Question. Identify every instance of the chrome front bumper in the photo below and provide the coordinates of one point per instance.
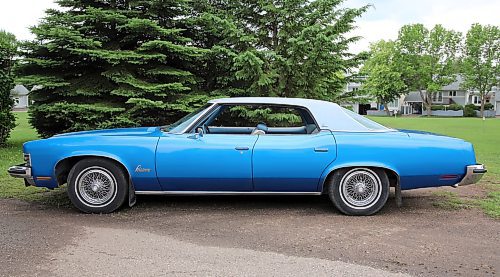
(22, 171)
(473, 174)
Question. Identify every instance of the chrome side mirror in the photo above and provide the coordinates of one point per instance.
(199, 133)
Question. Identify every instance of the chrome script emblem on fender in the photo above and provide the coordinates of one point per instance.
(140, 169)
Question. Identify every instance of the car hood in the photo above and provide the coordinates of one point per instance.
(142, 131)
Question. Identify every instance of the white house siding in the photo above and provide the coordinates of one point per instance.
(21, 97)
(21, 102)
(460, 98)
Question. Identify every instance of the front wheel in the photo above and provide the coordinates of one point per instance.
(97, 186)
(359, 191)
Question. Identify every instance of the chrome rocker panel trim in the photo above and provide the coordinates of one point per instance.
(473, 174)
(224, 193)
(22, 171)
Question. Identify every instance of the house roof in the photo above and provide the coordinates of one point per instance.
(328, 115)
(413, 96)
(19, 90)
(456, 85)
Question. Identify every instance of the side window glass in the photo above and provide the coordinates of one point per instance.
(244, 119)
(251, 115)
(234, 116)
(282, 117)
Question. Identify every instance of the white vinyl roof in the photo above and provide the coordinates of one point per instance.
(327, 114)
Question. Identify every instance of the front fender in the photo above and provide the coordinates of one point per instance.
(130, 151)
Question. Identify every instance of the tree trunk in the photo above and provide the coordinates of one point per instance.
(428, 107)
(482, 104)
(386, 108)
(426, 101)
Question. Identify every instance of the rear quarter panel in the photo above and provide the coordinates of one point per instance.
(421, 160)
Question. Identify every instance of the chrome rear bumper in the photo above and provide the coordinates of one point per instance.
(22, 171)
(473, 174)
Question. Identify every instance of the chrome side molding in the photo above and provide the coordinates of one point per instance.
(224, 193)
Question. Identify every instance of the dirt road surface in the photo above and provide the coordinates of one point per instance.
(251, 236)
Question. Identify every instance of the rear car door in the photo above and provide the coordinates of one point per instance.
(292, 163)
(286, 159)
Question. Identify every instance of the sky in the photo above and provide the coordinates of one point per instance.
(382, 21)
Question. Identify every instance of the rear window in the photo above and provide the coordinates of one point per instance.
(365, 122)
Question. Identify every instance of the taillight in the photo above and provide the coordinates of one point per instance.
(27, 159)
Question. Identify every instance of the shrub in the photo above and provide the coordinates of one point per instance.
(455, 107)
(470, 110)
(488, 106)
(437, 107)
(7, 53)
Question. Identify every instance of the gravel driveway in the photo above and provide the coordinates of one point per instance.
(251, 236)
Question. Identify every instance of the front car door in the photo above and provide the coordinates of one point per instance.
(211, 161)
(186, 162)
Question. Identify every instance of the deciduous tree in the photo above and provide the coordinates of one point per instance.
(428, 59)
(383, 71)
(481, 63)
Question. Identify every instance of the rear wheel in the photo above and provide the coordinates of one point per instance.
(97, 186)
(359, 191)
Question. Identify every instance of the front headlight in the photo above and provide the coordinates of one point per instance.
(27, 159)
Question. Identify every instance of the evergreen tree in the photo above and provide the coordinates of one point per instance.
(113, 63)
(280, 48)
(8, 48)
(109, 63)
(296, 48)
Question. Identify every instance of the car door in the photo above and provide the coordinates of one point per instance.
(292, 162)
(213, 162)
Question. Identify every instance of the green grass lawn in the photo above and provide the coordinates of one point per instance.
(12, 154)
(485, 135)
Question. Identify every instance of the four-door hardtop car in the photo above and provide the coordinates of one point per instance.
(252, 146)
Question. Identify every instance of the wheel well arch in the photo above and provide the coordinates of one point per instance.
(391, 174)
(64, 166)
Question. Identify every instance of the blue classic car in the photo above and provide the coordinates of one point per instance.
(252, 146)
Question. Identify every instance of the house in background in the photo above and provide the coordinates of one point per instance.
(497, 102)
(20, 94)
(412, 103)
(362, 103)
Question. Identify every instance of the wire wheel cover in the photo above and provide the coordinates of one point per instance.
(360, 188)
(96, 186)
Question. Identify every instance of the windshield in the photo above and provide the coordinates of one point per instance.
(367, 123)
(182, 123)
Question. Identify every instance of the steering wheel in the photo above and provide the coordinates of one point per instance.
(260, 129)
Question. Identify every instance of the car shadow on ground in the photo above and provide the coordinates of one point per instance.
(413, 201)
(270, 203)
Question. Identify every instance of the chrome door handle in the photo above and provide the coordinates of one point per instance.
(241, 148)
(318, 149)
